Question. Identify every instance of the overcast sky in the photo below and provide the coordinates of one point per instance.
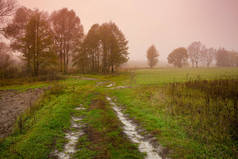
(165, 23)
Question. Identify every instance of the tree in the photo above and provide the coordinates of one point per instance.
(40, 38)
(226, 58)
(194, 53)
(207, 55)
(16, 33)
(30, 34)
(104, 49)
(5, 60)
(178, 57)
(68, 31)
(7, 8)
(152, 56)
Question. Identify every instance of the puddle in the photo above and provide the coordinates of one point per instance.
(88, 79)
(110, 85)
(130, 129)
(72, 137)
(119, 87)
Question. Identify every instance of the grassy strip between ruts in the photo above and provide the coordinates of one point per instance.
(45, 128)
(103, 136)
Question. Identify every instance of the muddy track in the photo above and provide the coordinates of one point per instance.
(12, 104)
(152, 151)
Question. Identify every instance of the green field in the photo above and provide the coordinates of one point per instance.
(191, 112)
(170, 75)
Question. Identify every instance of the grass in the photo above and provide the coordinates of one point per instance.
(44, 129)
(169, 75)
(172, 121)
(25, 86)
(180, 112)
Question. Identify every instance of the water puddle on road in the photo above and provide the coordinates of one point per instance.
(72, 137)
(130, 130)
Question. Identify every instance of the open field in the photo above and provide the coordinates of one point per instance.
(190, 113)
(170, 75)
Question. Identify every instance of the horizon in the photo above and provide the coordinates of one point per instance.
(176, 25)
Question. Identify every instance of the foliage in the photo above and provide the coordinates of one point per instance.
(178, 57)
(68, 31)
(210, 109)
(104, 49)
(225, 58)
(31, 34)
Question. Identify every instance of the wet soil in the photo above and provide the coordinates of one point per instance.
(72, 137)
(12, 104)
(153, 151)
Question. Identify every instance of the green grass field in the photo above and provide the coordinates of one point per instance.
(180, 116)
(170, 75)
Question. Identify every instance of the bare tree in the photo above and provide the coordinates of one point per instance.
(194, 53)
(7, 8)
(152, 56)
(208, 55)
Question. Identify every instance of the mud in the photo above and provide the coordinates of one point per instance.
(120, 87)
(131, 130)
(72, 137)
(83, 78)
(12, 104)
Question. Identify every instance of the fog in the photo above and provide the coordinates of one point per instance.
(167, 24)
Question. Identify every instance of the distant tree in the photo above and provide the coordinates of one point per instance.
(226, 58)
(194, 53)
(68, 31)
(208, 55)
(7, 8)
(178, 57)
(152, 56)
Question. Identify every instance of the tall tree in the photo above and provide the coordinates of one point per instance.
(119, 49)
(194, 53)
(16, 33)
(5, 60)
(152, 56)
(40, 38)
(30, 34)
(178, 57)
(104, 49)
(68, 31)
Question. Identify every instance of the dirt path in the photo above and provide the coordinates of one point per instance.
(130, 129)
(72, 137)
(12, 104)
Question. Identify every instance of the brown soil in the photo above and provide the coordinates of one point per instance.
(12, 104)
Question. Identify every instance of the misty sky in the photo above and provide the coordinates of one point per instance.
(165, 23)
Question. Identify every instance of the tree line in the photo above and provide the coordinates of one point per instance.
(52, 43)
(196, 55)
